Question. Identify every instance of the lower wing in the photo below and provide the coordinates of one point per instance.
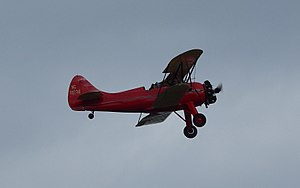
(153, 118)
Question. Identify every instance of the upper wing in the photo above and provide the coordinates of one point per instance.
(180, 66)
(153, 118)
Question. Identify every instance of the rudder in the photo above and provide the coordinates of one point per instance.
(81, 90)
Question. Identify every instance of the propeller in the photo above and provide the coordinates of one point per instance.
(211, 93)
(219, 88)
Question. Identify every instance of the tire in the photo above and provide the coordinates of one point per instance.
(199, 120)
(190, 132)
(91, 116)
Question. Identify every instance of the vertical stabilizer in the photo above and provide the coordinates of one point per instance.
(81, 91)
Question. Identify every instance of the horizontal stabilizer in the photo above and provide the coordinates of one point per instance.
(153, 118)
(90, 96)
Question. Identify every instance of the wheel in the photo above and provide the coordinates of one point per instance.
(190, 132)
(91, 115)
(199, 120)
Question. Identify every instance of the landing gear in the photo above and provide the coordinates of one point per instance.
(91, 115)
(190, 131)
(199, 120)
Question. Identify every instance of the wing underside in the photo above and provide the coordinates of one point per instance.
(181, 67)
(153, 118)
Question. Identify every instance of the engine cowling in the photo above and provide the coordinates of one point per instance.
(210, 93)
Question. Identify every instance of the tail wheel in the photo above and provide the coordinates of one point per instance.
(190, 132)
(199, 120)
(91, 115)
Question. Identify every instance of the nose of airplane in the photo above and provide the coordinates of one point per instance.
(210, 93)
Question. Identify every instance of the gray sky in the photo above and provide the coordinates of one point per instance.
(252, 134)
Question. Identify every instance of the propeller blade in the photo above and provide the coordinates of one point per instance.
(219, 88)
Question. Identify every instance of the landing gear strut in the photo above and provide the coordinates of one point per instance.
(91, 115)
(199, 120)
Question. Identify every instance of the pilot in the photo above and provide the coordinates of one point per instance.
(155, 85)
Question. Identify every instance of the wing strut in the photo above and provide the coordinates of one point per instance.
(179, 116)
(140, 117)
(188, 77)
(161, 85)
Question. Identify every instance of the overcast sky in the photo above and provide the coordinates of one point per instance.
(251, 138)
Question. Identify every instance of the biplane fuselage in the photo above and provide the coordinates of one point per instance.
(174, 93)
(134, 100)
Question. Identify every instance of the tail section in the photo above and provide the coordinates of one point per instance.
(81, 92)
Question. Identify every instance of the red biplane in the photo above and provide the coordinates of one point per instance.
(175, 92)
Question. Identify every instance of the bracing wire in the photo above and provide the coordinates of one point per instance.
(194, 77)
